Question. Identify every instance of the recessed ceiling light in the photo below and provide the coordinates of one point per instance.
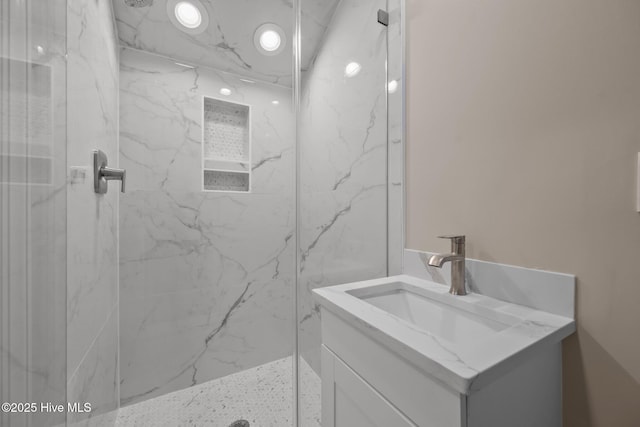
(225, 91)
(392, 87)
(352, 69)
(269, 39)
(189, 16)
(275, 102)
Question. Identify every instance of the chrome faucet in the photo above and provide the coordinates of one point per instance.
(456, 257)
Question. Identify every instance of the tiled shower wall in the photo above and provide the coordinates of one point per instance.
(92, 248)
(351, 165)
(206, 278)
(343, 170)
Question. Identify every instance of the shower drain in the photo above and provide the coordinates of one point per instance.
(240, 423)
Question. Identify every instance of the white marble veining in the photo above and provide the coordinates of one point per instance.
(351, 162)
(92, 219)
(227, 43)
(262, 395)
(539, 289)
(96, 379)
(343, 162)
(465, 364)
(205, 278)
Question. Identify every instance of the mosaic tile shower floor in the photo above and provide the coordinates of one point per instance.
(261, 395)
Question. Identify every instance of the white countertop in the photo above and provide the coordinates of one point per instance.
(464, 366)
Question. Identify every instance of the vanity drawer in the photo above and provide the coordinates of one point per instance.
(349, 401)
(421, 399)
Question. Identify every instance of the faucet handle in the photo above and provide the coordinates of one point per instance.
(102, 173)
(454, 237)
(457, 242)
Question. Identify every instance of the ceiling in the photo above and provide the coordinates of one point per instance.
(227, 43)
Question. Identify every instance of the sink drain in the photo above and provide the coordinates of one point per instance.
(240, 423)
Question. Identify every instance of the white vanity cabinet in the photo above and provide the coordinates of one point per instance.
(367, 384)
(349, 400)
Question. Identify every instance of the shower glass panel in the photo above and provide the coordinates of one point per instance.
(32, 210)
(350, 161)
(184, 299)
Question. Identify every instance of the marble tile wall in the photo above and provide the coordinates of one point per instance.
(351, 146)
(228, 42)
(343, 163)
(32, 209)
(206, 279)
(92, 250)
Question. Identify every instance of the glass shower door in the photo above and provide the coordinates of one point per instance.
(32, 211)
(343, 155)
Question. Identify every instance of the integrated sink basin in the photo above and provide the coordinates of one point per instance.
(433, 312)
(465, 342)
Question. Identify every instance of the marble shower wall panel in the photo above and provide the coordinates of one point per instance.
(92, 286)
(343, 170)
(96, 379)
(206, 278)
(227, 43)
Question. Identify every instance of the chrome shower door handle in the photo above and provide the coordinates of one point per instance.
(102, 173)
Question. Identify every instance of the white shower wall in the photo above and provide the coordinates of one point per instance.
(92, 219)
(206, 279)
(343, 163)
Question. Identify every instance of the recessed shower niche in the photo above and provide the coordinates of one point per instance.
(226, 146)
